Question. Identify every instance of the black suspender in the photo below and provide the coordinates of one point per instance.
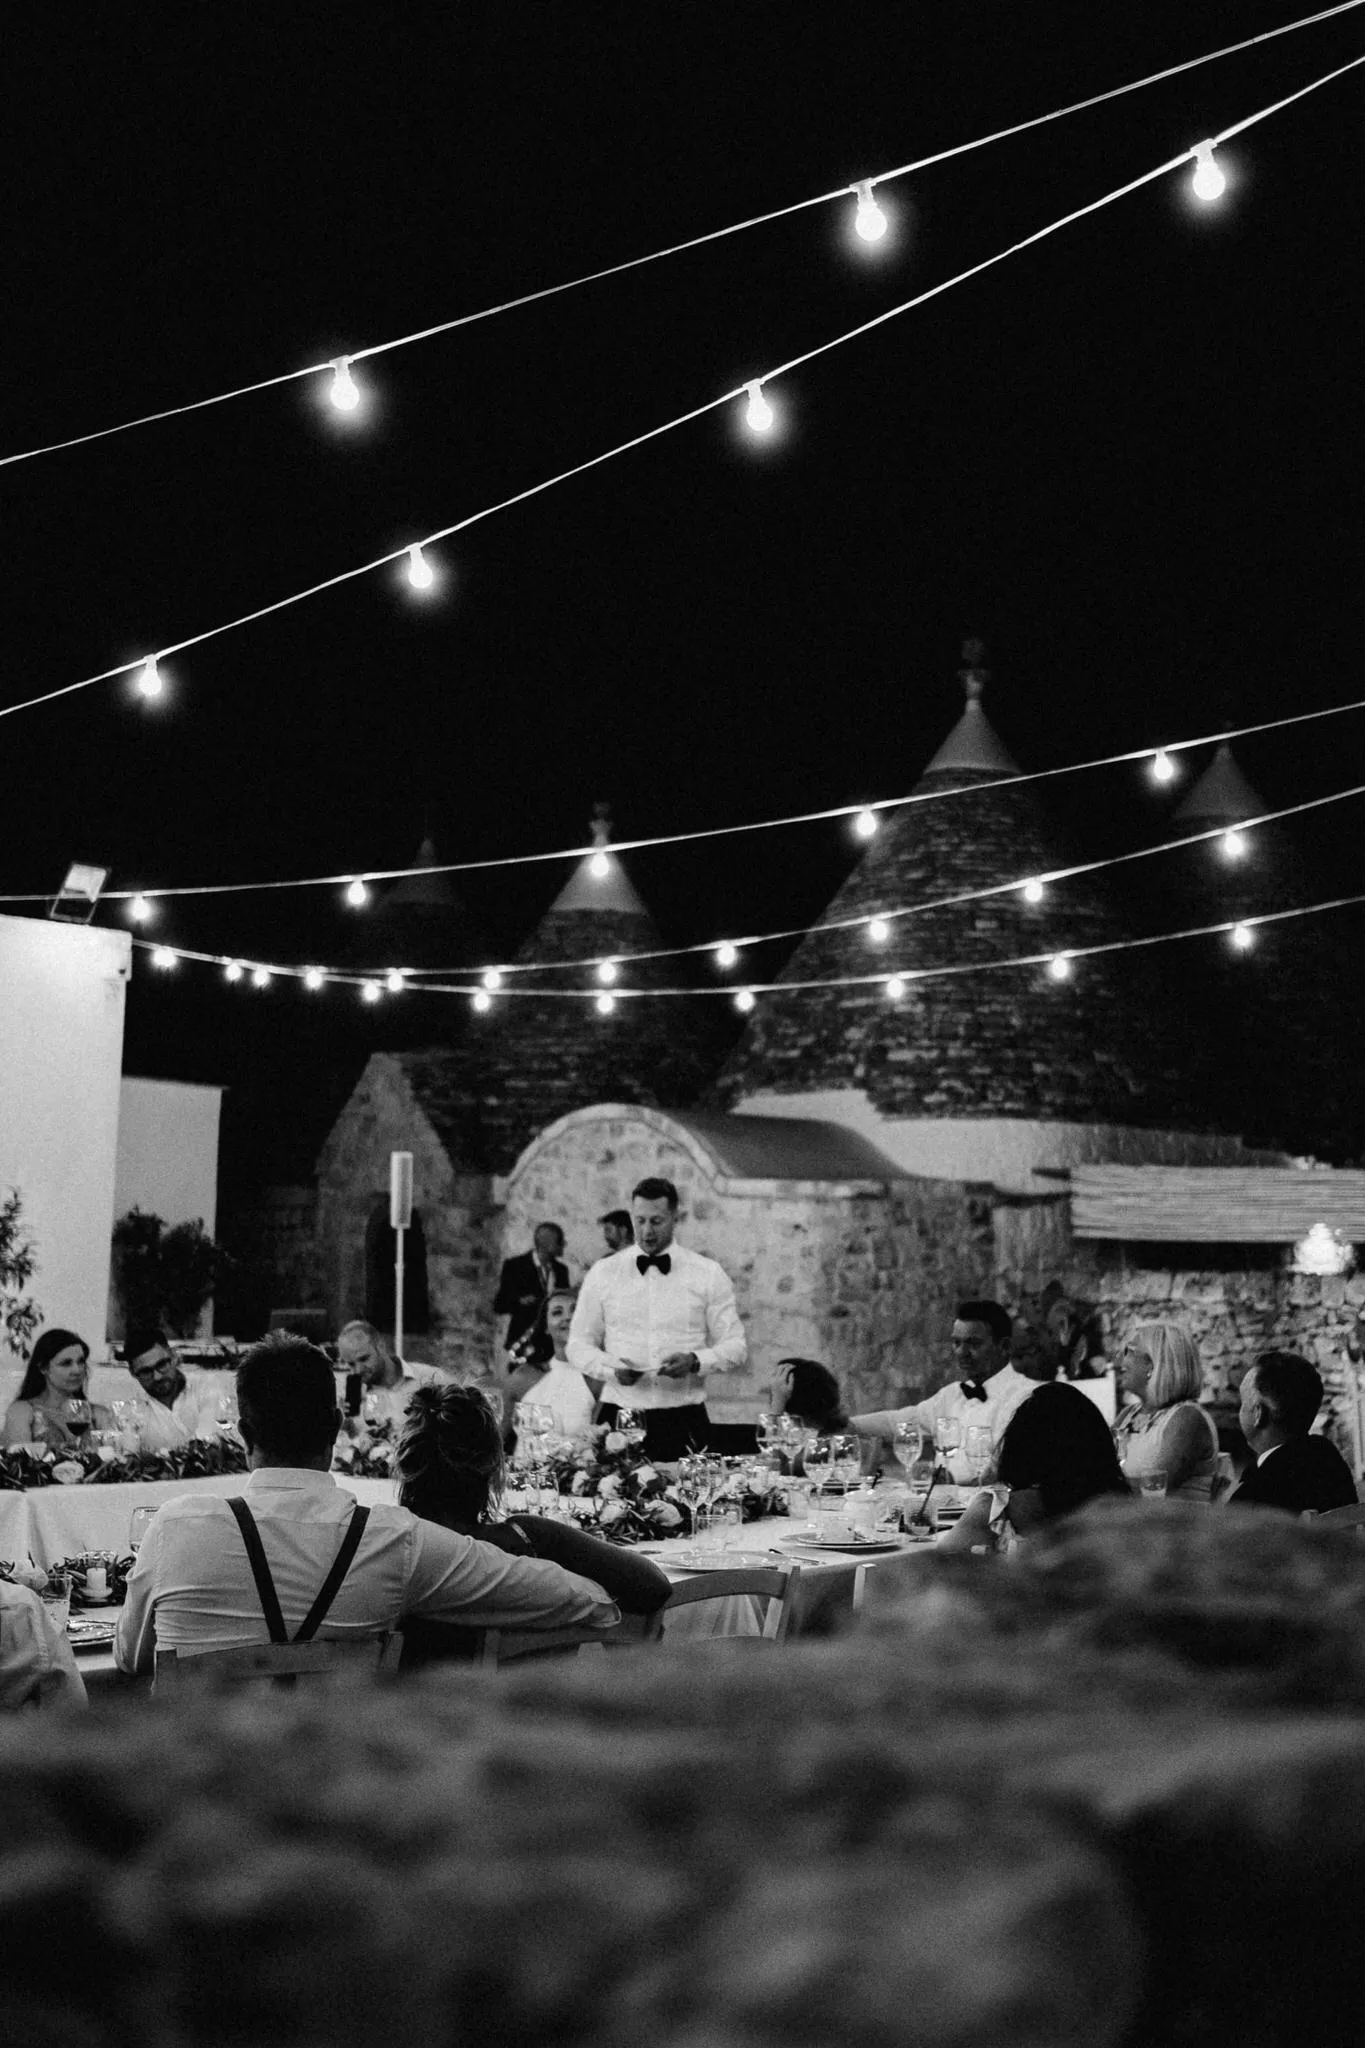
(265, 1585)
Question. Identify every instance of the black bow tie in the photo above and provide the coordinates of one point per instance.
(973, 1389)
(659, 1259)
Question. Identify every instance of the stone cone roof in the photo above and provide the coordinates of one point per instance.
(1222, 795)
(420, 920)
(1101, 1047)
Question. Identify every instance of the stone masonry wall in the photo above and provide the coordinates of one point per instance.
(274, 1249)
(864, 1281)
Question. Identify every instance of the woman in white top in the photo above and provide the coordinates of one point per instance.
(568, 1396)
(1162, 1428)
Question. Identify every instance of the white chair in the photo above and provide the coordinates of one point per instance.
(279, 1664)
(502, 1646)
(773, 1583)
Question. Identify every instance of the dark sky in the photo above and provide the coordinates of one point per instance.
(1128, 458)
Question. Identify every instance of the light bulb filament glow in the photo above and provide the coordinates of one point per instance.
(357, 893)
(1059, 967)
(865, 824)
(1208, 182)
(150, 683)
(599, 867)
(1163, 767)
(421, 575)
(879, 931)
(1033, 890)
(726, 954)
(745, 999)
(1234, 844)
(1243, 938)
(606, 1003)
(344, 392)
(758, 415)
(869, 220)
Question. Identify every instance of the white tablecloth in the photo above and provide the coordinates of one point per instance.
(54, 1522)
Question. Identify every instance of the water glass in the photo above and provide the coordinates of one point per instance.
(139, 1522)
(1152, 1484)
(978, 1448)
(907, 1444)
(947, 1437)
(56, 1598)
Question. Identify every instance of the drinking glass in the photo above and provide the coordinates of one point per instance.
(765, 1432)
(979, 1441)
(138, 1524)
(1152, 1485)
(225, 1414)
(76, 1416)
(372, 1410)
(907, 1444)
(948, 1435)
(846, 1459)
(126, 1425)
(56, 1598)
(693, 1486)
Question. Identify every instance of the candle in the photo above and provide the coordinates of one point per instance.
(97, 1582)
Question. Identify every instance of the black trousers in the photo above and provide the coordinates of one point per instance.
(670, 1433)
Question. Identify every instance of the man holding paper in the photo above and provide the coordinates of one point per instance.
(652, 1321)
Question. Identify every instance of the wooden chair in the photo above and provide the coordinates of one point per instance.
(279, 1664)
(773, 1583)
(1337, 1518)
(502, 1646)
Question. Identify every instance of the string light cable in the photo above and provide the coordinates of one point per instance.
(365, 982)
(743, 391)
(357, 883)
(861, 190)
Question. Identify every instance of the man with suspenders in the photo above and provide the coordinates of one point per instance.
(296, 1554)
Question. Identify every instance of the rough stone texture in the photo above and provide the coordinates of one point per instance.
(861, 1275)
(452, 1193)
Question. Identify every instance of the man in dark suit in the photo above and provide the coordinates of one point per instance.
(1281, 1394)
(525, 1285)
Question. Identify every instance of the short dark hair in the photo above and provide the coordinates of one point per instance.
(144, 1337)
(995, 1318)
(655, 1189)
(1291, 1389)
(1058, 1441)
(622, 1218)
(287, 1398)
(813, 1393)
(547, 1225)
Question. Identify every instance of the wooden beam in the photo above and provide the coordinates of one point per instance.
(1215, 1204)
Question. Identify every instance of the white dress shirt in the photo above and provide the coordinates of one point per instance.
(626, 1317)
(192, 1588)
(1005, 1391)
(37, 1668)
(392, 1402)
(568, 1397)
(192, 1413)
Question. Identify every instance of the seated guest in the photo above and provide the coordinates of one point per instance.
(58, 1373)
(37, 1668)
(810, 1394)
(570, 1398)
(451, 1471)
(1056, 1454)
(170, 1411)
(1162, 1428)
(1002, 1360)
(387, 1382)
(195, 1586)
(1281, 1395)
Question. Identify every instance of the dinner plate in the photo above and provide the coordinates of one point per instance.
(869, 1548)
(729, 1561)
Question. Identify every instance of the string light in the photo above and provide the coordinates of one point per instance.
(313, 979)
(482, 1000)
(1033, 891)
(421, 575)
(1163, 767)
(607, 971)
(491, 980)
(605, 1004)
(357, 894)
(879, 931)
(261, 978)
(1234, 844)
(745, 999)
(599, 867)
(865, 824)
(1059, 967)
(895, 988)
(869, 220)
(727, 956)
(163, 958)
(758, 414)
(1243, 938)
(1208, 182)
(344, 392)
(394, 982)
(233, 971)
(150, 683)
(142, 909)
(370, 991)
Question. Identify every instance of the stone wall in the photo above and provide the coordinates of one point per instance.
(458, 1219)
(273, 1245)
(861, 1276)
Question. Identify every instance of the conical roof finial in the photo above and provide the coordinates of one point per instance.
(975, 675)
(601, 824)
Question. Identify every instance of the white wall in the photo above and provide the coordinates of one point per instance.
(167, 1162)
(61, 1049)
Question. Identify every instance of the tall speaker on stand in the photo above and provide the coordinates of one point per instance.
(400, 1218)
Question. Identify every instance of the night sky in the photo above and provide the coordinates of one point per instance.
(1125, 458)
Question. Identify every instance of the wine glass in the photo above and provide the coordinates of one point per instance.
(846, 1460)
(978, 1447)
(372, 1409)
(907, 1444)
(692, 1486)
(225, 1414)
(947, 1438)
(764, 1431)
(76, 1416)
(1152, 1484)
(139, 1522)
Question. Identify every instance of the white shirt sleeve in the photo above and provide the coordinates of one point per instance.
(726, 1348)
(135, 1636)
(456, 1578)
(588, 1330)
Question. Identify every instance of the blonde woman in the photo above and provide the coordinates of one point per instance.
(1162, 1428)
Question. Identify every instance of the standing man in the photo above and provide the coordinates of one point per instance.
(363, 1350)
(994, 1382)
(1280, 1397)
(652, 1321)
(617, 1229)
(526, 1284)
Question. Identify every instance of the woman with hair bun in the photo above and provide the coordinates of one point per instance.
(450, 1470)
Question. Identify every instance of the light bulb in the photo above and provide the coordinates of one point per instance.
(745, 999)
(344, 392)
(482, 1000)
(370, 991)
(607, 971)
(421, 575)
(1243, 938)
(869, 220)
(726, 955)
(313, 978)
(357, 893)
(164, 958)
(599, 866)
(394, 982)
(1234, 844)
(261, 978)
(1033, 890)
(605, 1004)
(1163, 767)
(865, 824)
(142, 909)
(758, 415)
(491, 980)
(1059, 967)
(895, 988)
(1208, 181)
(233, 971)
(150, 683)
(879, 931)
